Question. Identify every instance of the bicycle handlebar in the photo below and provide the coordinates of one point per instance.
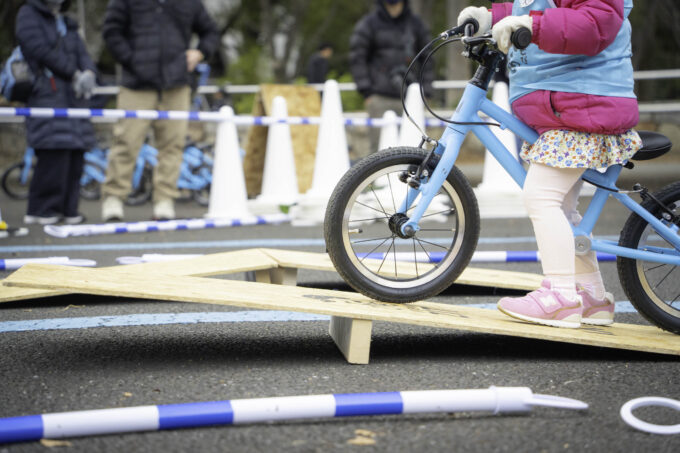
(521, 38)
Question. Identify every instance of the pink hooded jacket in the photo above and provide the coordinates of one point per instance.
(576, 27)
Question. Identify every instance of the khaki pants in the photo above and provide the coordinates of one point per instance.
(129, 136)
(376, 106)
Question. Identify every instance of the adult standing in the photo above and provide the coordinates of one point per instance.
(382, 45)
(151, 40)
(317, 67)
(64, 78)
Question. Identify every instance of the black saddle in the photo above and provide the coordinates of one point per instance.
(653, 145)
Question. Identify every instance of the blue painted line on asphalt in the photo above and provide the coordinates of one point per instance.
(158, 319)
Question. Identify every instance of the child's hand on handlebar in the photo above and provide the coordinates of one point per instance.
(502, 31)
(480, 14)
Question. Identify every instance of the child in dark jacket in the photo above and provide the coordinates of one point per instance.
(64, 78)
(574, 85)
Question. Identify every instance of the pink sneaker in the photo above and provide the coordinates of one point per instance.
(595, 312)
(544, 306)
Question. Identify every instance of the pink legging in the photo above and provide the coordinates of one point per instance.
(551, 198)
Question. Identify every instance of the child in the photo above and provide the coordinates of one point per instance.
(64, 77)
(574, 86)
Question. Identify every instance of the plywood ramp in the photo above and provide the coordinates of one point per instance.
(274, 266)
(350, 312)
(199, 266)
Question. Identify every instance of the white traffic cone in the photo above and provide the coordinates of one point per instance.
(279, 179)
(331, 161)
(409, 135)
(498, 194)
(228, 198)
(389, 133)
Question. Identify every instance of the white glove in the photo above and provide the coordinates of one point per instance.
(502, 31)
(480, 14)
(83, 83)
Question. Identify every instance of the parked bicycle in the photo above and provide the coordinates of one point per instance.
(408, 199)
(194, 180)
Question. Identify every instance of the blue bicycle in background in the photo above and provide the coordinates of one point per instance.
(406, 200)
(193, 183)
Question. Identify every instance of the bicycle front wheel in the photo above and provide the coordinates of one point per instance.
(653, 288)
(363, 240)
(15, 183)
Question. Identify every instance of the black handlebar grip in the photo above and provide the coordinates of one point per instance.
(521, 38)
(474, 23)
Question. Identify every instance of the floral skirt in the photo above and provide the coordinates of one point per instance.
(570, 149)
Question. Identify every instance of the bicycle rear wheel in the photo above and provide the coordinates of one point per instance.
(653, 288)
(13, 184)
(363, 242)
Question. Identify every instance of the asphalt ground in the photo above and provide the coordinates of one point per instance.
(74, 368)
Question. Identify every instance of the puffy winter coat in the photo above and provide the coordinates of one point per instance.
(54, 59)
(149, 39)
(382, 47)
(575, 27)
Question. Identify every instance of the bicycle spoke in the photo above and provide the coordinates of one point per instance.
(389, 181)
(369, 253)
(373, 239)
(440, 212)
(378, 200)
(395, 259)
(385, 257)
(415, 257)
(371, 207)
(655, 267)
(367, 220)
(665, 277)
(437, 229)
(429, 258)
(432, 243)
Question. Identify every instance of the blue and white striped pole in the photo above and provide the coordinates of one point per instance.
(64, 231)
(477, 257)
(240, 120)
(233, 412)
(15, 263)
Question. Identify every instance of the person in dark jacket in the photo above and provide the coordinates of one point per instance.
(64, 78)
(151, 41)
(317, 66)
(382, 45)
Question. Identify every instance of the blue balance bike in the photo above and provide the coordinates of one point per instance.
(405, 202)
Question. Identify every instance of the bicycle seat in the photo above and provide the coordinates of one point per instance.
(653, 145)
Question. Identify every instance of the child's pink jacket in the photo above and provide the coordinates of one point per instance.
(592, 26)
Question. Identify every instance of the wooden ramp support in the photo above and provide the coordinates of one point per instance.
(351, 314)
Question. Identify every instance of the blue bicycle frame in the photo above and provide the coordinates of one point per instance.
(473, 101)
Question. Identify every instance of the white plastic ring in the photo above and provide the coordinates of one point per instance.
(628, 417)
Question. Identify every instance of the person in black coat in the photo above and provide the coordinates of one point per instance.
(64, 78)
(382, 45)
(151, 41)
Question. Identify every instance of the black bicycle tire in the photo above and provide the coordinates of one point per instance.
(5, 182)
(333, 228)
(629, 276)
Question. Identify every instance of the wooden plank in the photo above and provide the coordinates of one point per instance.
(333, 303)
(200, 266)
(353, 338)
(494, 278)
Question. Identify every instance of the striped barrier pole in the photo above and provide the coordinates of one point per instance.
(518, 256)
(64, 231)
(16, 263)
(255, 410)
(240, 120)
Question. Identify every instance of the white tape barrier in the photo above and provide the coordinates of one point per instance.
(63, 231)
(16, 263)
(239, 120)
(628, 417)
(496, 400)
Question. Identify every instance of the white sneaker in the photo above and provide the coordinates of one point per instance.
(112, 209)
(164, 209)
(41, 220)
